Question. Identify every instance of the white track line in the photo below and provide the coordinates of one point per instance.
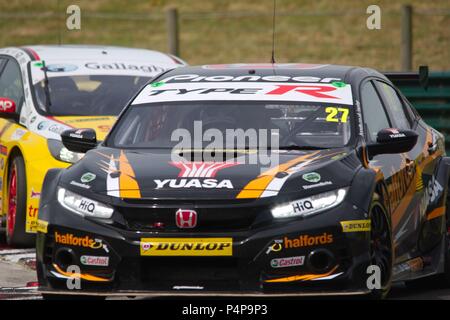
(18, 257)
(16, 251)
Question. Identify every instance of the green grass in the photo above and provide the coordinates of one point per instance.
(329, 37)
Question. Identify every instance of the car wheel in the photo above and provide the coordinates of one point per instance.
(16, 205)
(381, 248)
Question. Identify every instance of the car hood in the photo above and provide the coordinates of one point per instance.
(153, 174)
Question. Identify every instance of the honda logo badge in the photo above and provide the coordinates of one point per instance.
(186, 218)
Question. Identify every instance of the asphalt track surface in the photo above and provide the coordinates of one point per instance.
(18, 279)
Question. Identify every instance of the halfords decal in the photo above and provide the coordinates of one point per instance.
(308, 241)
(72, 240)
(258, 91)
(287, 262)
(355, 226)
(186, 247)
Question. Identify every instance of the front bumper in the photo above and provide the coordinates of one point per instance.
(311, 256)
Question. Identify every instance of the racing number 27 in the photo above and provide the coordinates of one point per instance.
(332, 114)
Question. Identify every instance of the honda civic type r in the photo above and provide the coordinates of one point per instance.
(45, 90)
(250, 179)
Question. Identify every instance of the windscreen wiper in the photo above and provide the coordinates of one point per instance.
(48, 102)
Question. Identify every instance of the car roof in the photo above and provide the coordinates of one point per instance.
(345, 73)
(51, 53)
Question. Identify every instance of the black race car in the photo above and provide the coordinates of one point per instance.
(283, 179)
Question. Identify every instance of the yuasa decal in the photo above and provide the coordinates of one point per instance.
(257, 91)
(186, 247)
(192, 170)
(193, 183)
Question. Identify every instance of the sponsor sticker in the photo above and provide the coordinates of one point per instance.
(81, 185)
(78, 241)
(99, 261)
(61, 67)
(186, 247)
(18, 134)
(88, 177)
(317, 185)
(302, 206)
(276, 246)
(355, 226)
(287, 262)
(308, 241)
(256, 91)
(42, 125)
(35, 194)
(42, 226)
(312, 177)
(3, 150)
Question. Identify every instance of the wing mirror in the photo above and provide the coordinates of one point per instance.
(391, 140)
(79, 140)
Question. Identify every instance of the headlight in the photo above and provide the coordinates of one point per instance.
(83, 206)
(311, 205)
(61, 153)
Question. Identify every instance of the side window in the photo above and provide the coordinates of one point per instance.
(11, 83)
(395, 104)
(374, 115)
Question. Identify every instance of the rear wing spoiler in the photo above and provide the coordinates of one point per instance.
(402, 78)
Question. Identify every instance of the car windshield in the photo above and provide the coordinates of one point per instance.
(291, 125)
(87, 94)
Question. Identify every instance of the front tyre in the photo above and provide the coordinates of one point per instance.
(381, 248)
(16, 204)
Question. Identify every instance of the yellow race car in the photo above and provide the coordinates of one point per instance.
(45, 90)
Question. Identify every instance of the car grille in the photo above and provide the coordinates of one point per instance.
(210, 218)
